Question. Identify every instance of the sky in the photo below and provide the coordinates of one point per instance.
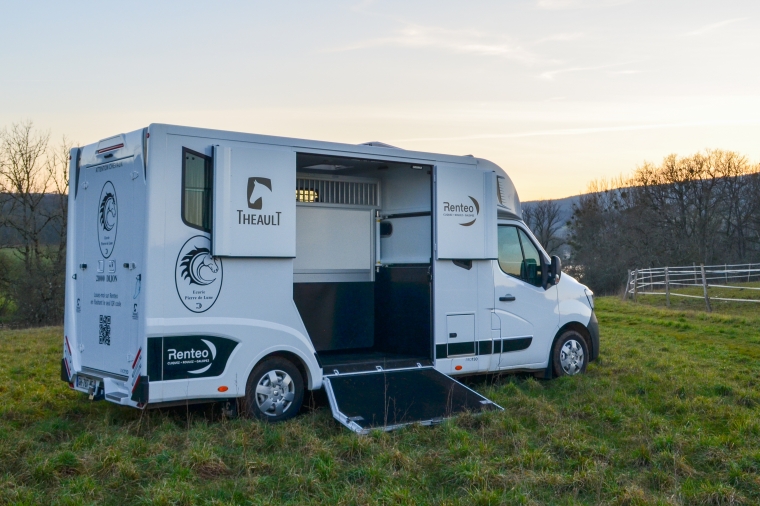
(556, 92)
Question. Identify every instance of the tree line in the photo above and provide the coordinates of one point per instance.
(703, 208)
(33, 212)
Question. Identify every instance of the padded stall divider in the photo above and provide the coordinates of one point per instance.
(402, 310)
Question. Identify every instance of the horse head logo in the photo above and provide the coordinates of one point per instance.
(108, 211)
(257, 187)
(199, 267)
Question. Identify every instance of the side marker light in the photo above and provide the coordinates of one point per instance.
(222, 388)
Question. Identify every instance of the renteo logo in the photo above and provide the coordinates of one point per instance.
(463, 211)
(258, 188)
(193, 357)
(182, 355)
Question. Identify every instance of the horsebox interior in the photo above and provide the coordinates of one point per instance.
(361, 313)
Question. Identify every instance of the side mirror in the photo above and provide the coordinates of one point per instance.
(556, 269)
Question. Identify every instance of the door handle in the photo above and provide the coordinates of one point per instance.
(507, 298)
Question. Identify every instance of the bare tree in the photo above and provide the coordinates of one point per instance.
(33, 186)
(545, 220)
(699, 208)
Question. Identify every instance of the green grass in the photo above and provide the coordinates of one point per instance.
(668, 415)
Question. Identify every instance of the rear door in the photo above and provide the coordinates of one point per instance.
(391, 399)
(109, 247)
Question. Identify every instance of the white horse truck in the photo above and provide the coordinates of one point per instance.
(206, 265)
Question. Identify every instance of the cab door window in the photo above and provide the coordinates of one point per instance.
(518, 256)
(510, 252)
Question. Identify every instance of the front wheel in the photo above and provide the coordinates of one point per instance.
(274, 391)
(570, 354)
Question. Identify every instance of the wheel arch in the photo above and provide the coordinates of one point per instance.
(573, 325)
(292, 358)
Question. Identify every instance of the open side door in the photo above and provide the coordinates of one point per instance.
(465, 213)
(254, 210)
(390, 399)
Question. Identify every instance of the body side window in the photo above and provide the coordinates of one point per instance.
(196, 190)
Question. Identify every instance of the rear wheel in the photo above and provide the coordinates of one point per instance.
(274, 391)
(570, 354)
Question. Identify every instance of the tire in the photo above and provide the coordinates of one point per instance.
(570, 354)
(274, 391)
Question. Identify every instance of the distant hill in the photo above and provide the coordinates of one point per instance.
(10, 238)
(566, 206)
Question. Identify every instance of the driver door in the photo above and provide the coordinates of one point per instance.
(528, 313)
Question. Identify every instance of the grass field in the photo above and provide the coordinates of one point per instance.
(668, 415)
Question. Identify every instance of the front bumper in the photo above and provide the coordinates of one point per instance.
(593, 330)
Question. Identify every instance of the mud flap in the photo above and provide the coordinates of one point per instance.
(387, 400)
(140, 391)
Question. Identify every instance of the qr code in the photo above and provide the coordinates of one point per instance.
(105, 330)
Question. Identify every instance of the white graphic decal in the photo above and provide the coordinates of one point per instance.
(213, 356)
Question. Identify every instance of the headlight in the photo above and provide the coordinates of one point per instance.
(590, 297)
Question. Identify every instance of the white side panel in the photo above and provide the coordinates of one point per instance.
(490, 230)
(460, 329)
(465, 207)
(254, 202)
(333, 239)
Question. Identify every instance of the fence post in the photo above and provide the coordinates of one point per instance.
(667, 288)
(749, 272)
(695, 272)
(725, 271)
(635, 285)
(627, 285)
(704, 288)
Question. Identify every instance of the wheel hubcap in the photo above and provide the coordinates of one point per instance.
(571, 357)
(275, 393)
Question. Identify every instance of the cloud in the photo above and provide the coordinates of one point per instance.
(584, 131)
(578, 4)
(561, 37)
(455, 41)
(551, 74)
(712, 27)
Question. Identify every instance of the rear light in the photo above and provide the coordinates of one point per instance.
(110, 148)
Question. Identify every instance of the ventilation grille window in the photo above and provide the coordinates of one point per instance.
(502, 194)
(336, 192)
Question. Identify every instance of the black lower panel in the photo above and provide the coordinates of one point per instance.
(402, 310)
(393, 398)
(337, 315)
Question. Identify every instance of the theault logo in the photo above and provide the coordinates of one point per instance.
(258, 187)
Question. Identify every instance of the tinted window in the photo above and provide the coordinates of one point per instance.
(510, 252)
(518, 256)
(196, 190)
